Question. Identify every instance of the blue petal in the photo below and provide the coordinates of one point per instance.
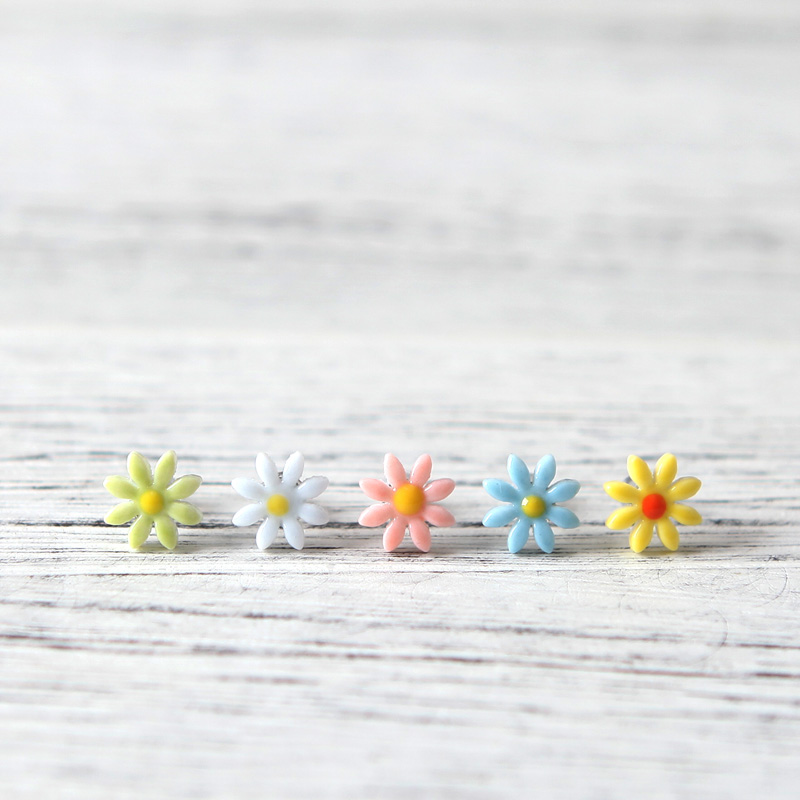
(502, 515)
(543, 534)
(562, 517)
(519, 473)
(519, 535)
(501, 490)
(563, 490)
(545, 472)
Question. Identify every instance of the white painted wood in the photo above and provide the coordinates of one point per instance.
(521, 227)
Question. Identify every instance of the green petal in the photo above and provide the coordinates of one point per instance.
(165, 469)
(184, 487)
(120, 487)
(139, 531)
(166, 531)
(122, 513)
(185, 513)
(139, 470)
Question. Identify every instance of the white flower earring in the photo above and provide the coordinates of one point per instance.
(282, 500)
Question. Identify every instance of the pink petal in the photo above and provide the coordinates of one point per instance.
(420, 534)
(376, 490)
(394, 533)
(421, 472)
(395, 471)
(439, 489)
(437, 515)
(376, 515)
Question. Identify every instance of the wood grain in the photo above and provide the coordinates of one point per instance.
(471, 231)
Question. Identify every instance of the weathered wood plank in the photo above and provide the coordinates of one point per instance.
(218, 663)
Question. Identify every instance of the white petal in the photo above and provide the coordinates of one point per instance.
(267, 532)
(312, 487)
(250, 489)
(267, 471)
(293, 531)
(293, 469)
(313, 514)
(249, 515)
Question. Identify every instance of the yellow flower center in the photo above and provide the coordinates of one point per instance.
(409, 499)
(533, 506)
(278, 505)
(151, 502)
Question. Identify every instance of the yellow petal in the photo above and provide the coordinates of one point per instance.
(165, 469)
(622, 492)
(639, 472)
(641, 535)
(166, 531)
(666, 470)
(185, 513)
(686, 515)
(184, 487)
(139, 470)
(668, 533)
(122, 513)
(684, 488)
(120, 487)
(139, 531)
(624, 517)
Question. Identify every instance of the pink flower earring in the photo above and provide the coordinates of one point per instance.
(407, 502)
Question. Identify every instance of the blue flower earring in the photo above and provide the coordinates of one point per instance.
(532, 503)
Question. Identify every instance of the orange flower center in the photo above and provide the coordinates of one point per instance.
(409, 499)
(654, 506)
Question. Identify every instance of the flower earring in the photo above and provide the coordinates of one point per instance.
(653, 502)
(154, 499)
(532, 503)
(410, 503)
(282, 500)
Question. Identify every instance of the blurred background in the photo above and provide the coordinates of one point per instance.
(566, 167)
(358, 226)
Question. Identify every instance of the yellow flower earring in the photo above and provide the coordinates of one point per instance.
(154, 499)
(653, 502)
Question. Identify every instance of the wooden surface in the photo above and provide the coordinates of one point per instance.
(228, 227)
